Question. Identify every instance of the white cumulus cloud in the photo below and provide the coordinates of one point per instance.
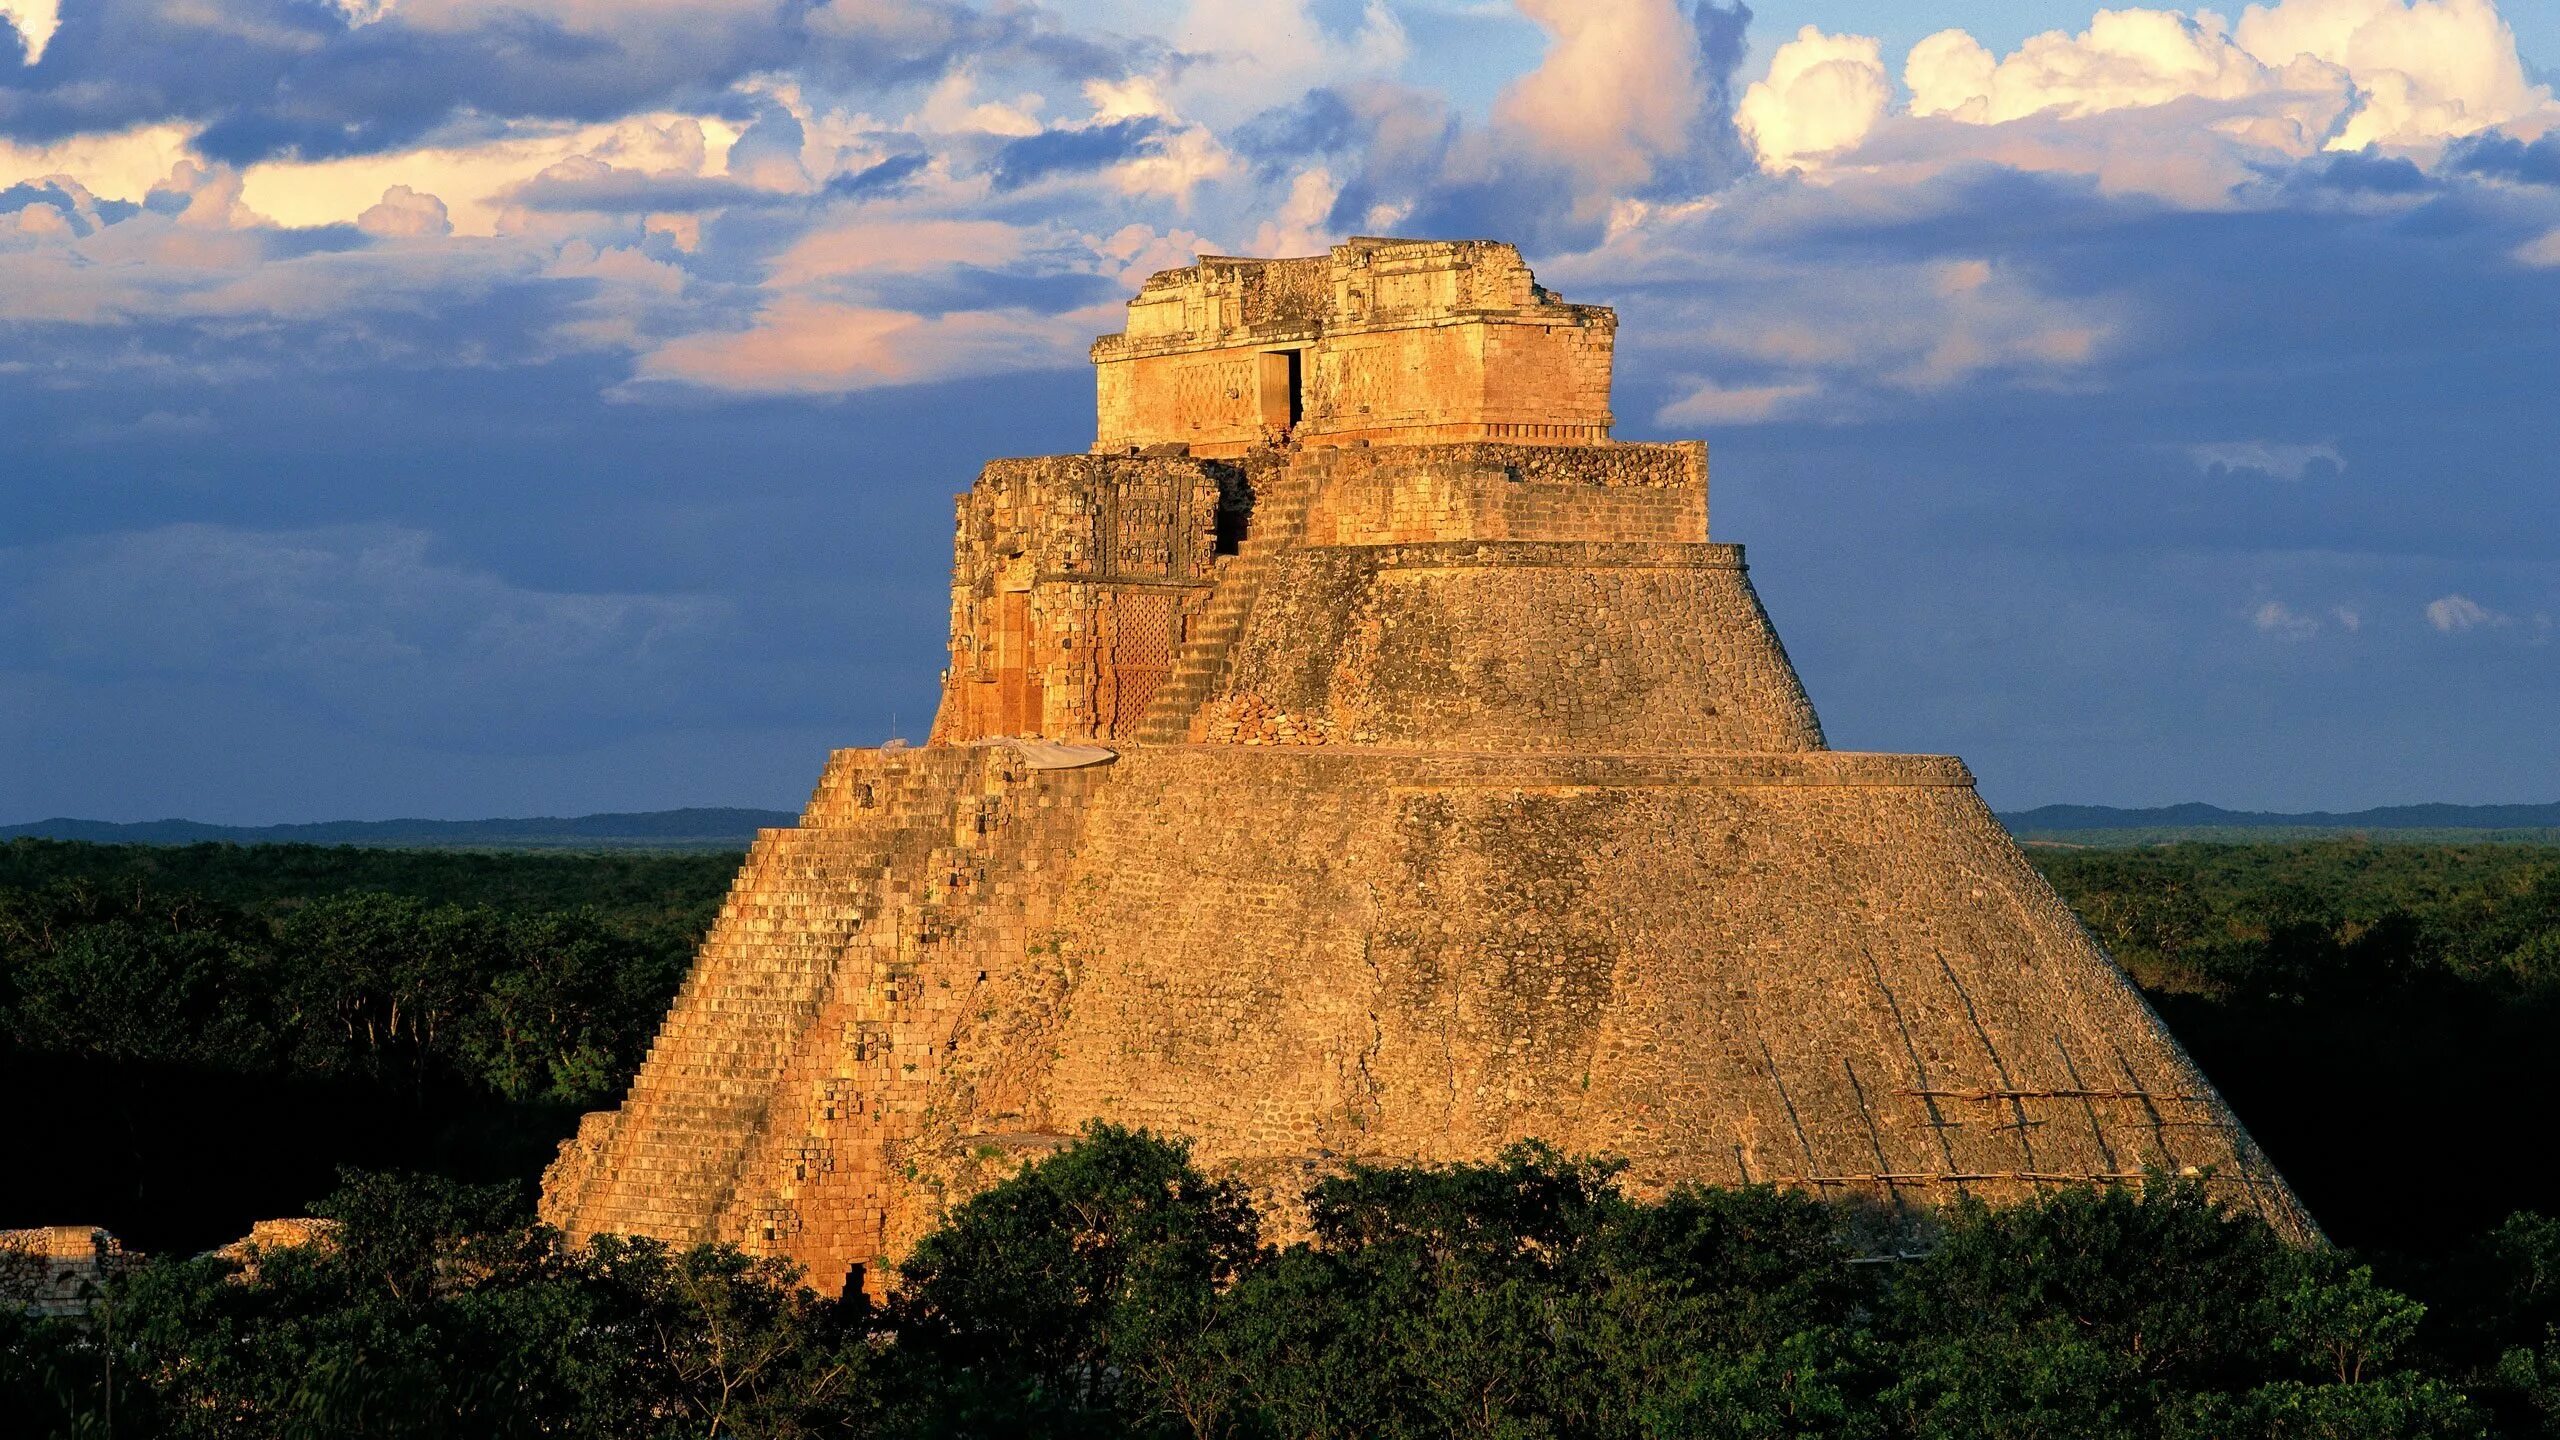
(2423, 69)
(1620, 86)
(403, 213)
(2274, 617)
(1301, 227)
(36, 21)
(2299, 75)
(2454, 614)
(2125, 58)
(1823, 93)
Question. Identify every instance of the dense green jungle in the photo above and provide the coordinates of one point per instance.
(197, 1037)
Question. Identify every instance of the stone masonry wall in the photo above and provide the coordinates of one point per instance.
(1822, 970)
(1074, 580)
(1459, 379)
(1209, 402)
(1391, 494)
(1814, 969)
(828, 1174)
(805, 1048)
(1509, 646)
(669, 1159)
(1386, 341)
(58, 1272)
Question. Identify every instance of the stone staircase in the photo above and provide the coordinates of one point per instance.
(1279, 521)
(801, 902)
(818, 1177)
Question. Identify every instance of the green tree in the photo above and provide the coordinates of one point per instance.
(2111, 1313)
(1071, 1298)
(1528, 1297)
(438, 1310)
(567, 1010)
(134, 976)
(378, 984)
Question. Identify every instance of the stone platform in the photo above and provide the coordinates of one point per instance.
(1814, 968)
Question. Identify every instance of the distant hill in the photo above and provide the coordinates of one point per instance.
(2388, 817)
(716, 828)
(2109, 825)
(692, 829)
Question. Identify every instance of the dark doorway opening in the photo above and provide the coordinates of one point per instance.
(1235, 508)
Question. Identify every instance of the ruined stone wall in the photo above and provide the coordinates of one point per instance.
(1453, 380)
(1511, 645)
(1548, 382)
(668, 1160)
(1393, 342)
(829, 1171)
(57, 1272)
(1074, 580)
(1233, 295)
(1210, 402)
(1405, 494)
(1461, 378)
(1189, 369)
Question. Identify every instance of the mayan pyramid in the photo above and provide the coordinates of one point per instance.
(1358, 754)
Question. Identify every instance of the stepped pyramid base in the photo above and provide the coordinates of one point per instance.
(1815, 969)
(1464, 796)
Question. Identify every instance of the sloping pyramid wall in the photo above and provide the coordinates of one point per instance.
(1820, 969)
(1488, 808)
(806, 1045)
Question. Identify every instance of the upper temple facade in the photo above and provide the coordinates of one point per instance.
(1388, 390)
(1359, 756)
(1383, 341)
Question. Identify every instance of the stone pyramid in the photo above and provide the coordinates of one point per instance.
(1358, 754)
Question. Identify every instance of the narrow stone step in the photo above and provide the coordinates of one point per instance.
(802, 903)
(1203, 657)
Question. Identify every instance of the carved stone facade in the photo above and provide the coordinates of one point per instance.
(1463, 794)
(1382, 341)
(1075, 582)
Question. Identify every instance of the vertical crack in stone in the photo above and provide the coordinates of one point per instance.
(2009, 1087)
(1377, 987)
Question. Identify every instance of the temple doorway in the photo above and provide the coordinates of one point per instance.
(1281, 398)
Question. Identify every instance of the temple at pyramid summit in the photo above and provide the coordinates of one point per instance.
(1356, 754)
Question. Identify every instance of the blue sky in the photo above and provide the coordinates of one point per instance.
(440, 407)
